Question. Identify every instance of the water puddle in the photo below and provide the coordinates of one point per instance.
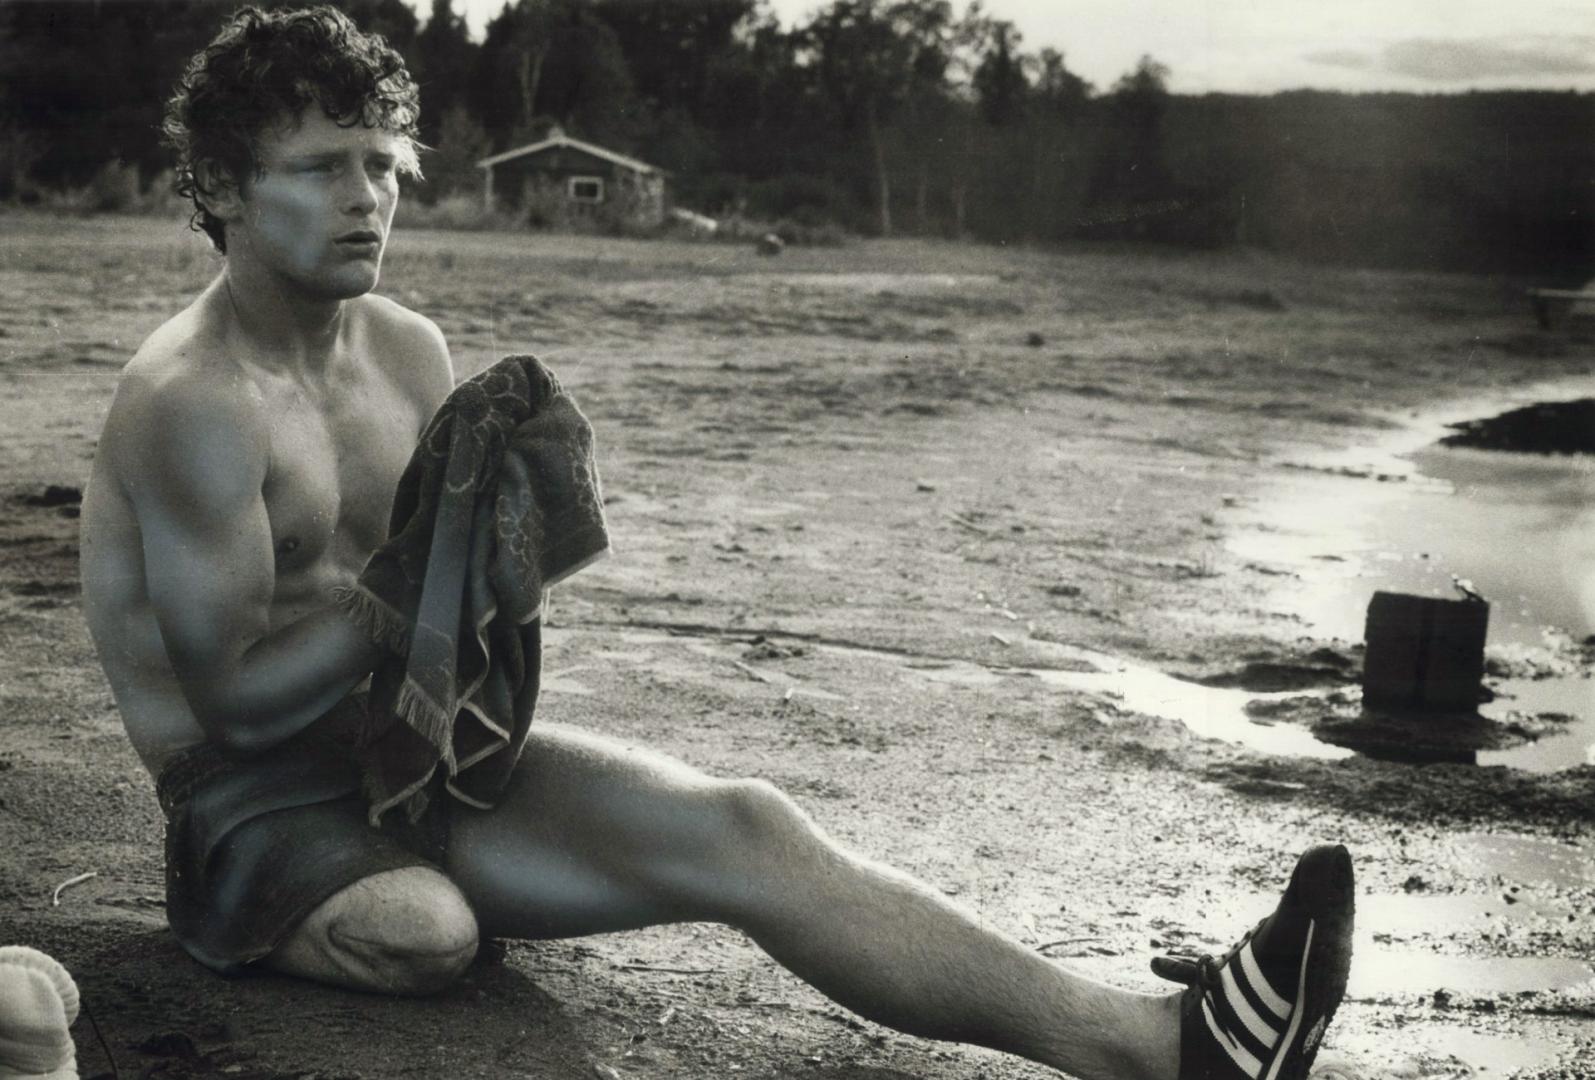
(1393, 957)
(1525, 860)
(1409, 518)
(1410, 915)
(1437, 1051)
(1492, 1054)
(1210, 712)
(1378, 972)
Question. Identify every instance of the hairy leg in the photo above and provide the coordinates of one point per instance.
(406, 931)
(596, 835)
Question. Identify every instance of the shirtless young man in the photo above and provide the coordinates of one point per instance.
(246, 470)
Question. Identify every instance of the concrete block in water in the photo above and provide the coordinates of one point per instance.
(1424, 654)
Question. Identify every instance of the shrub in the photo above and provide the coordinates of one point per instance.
(160, 198)
(464, 213)
(807, 199)
(811, 234)
(114, 187)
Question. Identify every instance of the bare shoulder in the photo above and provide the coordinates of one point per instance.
(181, 395)
(411, 348)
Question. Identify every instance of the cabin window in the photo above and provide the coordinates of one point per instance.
(587, 189)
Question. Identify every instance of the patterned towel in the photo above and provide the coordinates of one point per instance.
(500, 501)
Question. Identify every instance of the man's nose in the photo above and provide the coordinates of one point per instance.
(362, 193)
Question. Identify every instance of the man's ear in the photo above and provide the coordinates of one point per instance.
(219, 192)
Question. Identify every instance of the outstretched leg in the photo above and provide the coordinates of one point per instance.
(596, 835)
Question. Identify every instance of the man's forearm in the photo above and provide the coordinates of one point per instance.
(291, 677)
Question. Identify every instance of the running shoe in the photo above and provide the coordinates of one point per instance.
(1259, 1011)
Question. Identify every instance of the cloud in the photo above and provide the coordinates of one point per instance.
(1345, 58)
(1442, 60)
(1463, 60)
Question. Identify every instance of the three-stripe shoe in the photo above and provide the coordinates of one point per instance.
(1259, 1011)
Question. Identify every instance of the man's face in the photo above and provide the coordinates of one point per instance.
(319, 211)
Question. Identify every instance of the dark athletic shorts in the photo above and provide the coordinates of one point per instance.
(255, 843)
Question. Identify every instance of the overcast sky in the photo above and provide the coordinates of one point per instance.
(1259, 46)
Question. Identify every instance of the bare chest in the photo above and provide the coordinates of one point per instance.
(336, 457)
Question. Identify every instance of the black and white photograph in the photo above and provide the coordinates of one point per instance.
(815, 539)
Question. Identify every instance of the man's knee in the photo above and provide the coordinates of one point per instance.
(404, 932)
(763, 817)
(764, 849)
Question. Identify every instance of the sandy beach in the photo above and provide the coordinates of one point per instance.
(908, 528)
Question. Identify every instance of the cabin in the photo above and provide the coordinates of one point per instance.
(561, 181)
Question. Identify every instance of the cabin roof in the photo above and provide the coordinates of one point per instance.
(558, 140)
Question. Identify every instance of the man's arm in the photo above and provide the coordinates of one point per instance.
(197, 459)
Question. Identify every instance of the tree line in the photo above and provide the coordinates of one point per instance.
(881, 116)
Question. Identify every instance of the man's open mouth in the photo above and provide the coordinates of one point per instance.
(364, 236)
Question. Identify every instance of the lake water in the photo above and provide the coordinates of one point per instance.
(1519, 527)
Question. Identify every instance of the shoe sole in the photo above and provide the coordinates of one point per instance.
(1330, 898)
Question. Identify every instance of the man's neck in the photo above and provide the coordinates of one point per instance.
(286, 330)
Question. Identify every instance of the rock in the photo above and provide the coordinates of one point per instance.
(1551, 427)
(770, 244)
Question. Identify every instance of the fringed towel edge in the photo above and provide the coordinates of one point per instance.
(383, 623)
(427, 718)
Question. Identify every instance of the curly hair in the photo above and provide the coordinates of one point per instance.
(264, 66)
